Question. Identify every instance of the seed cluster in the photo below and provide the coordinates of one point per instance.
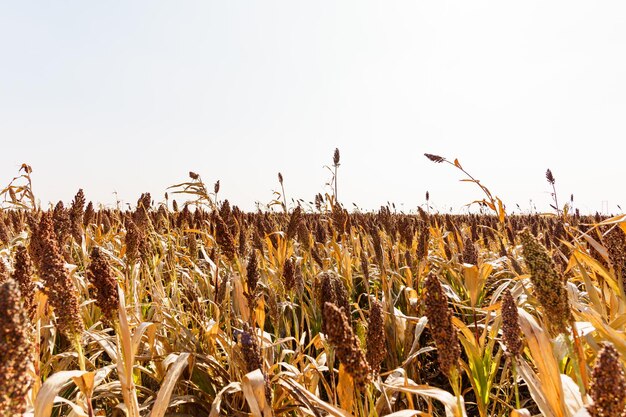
(102, 278)
(510, 325)
(59, 286)
(440, 324)
(376, 337)
(548, 286)
(15, 351)
(608, 386)
(346, 344)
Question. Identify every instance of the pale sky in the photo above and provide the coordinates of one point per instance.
(130, 96)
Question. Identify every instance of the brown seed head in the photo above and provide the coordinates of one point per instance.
(250, 348)
(23, 275)
(62, 223)
(470, 254)
(289, 275)
(376, 349)
(435, 158)
(76, 215)
(615, 242)
(608, 385)
(510, 325)
(4, 233)
(90, 214)
(294, 221)
(549, 287)
(440, 323)
(103, 279)
(59, 286)
(298, 278)
(347, 347)
(132, 239)
(332, 290)
(4, 271)
(141, 215)
(16, 352)
(252, 273)
(252, 356)
(224, 238)
(422, 244)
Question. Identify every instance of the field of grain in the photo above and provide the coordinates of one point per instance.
(202, 309)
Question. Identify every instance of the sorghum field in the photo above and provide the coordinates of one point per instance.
(201, 309)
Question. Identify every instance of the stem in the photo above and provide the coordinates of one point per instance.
(79, 350)
(580, 361)
(482, 187)
(455, 382)
(556, 202)
(217, 275)
(335, 181)
(577, 363)
(514, 372)
(282, 187)
(475, 326)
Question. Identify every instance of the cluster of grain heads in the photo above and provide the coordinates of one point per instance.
(440, 323)
(140, 215)
(224, 238)
(376, 337)
(101, 276)
(59, 286)
(347, 346)
(608, 385)
(132, 239)
(325, 298)
(289, 275)
(511, 333)
(332, 290)
(15, 351)
(89, 216)
(76, 215)
(23, 275)
(615, 242)
(4, 271)
(549, 287)
(252, 279)
(62, 223)
(251, 353)
(470, 254)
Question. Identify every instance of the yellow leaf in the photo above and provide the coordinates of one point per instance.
(472, 282)
(345, 389)
(45, 398)
(501, 212)
(259, 313)
(85, 383)
(239, 300)
(548, 377)
(397, 381)
(167, 387)
(253, 385)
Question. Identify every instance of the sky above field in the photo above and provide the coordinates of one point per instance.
(123, 97)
